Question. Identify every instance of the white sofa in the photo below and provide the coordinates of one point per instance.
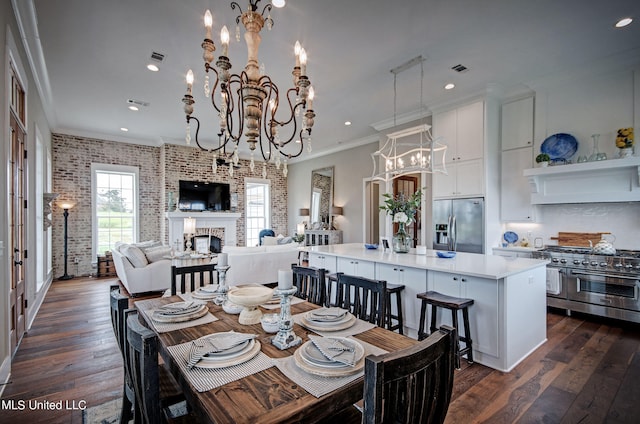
(141, 267)
(259, 264)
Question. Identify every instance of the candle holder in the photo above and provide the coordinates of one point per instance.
(285, 338)
(222, 285)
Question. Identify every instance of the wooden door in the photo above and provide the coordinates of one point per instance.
(17, 218)
(407, 186)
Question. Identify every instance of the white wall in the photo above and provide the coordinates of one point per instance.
(351, 166)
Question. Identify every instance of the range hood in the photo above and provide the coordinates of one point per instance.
(614, 180)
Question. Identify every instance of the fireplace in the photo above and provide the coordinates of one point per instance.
(215, 243)
(219, 224)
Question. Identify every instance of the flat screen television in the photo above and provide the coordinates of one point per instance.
(202, 196)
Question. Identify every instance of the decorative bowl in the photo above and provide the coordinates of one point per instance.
(447, 255)
(231, 308)
(370, 246)
(250, 297)
(270, 322)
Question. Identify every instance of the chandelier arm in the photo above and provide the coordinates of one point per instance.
(189, 118)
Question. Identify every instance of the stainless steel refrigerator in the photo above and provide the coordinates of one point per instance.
(459, 225)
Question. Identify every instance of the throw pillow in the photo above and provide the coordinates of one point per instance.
(157, 253)
(285, 240)
(269, 241)
(135, 256)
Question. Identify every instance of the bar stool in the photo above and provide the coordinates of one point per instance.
(454, 304)
(392, 289)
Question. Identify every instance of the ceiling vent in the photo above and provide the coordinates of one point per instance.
(137, 102)
(158, 57)
(460, 68)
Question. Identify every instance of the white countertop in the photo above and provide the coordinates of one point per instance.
(471, 264)
(517, 249)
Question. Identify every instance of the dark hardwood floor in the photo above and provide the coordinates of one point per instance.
(587, 372)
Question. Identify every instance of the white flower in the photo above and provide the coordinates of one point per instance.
(401, 217)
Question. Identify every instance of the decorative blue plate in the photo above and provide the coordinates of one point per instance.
(445, 254)
(510, 237)
(560, 146)
(371, 246)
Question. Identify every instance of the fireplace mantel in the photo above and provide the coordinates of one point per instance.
(226, 220)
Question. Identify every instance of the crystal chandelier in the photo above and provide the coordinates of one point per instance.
(249, 104)
(413, 156)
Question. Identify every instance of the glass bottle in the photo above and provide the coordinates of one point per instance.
(595, 153)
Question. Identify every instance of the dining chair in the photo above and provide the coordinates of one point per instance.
(311, 285)
(365, 298)
(149, 380)
(119, 304)
(412, 385)
(194, 275)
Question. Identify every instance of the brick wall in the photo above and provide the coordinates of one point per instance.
(160, 169)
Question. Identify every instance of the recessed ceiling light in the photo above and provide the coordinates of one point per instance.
(278, 3)
(297, 141)
(347, 123)
(132, 107)
(449, 86)
(152, 67)
(123, 129)
(623, 22)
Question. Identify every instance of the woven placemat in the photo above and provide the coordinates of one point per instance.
(163, 327)
(205, 379)
(317, 385)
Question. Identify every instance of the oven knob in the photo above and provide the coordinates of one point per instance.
(603, 264)
(594, 263)
(628, 266)
(563, 261)
(576, 262)
(618, 265)
(554, 260)
(585, 262)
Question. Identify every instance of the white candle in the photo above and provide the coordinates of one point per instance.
(223, 259)
(285, 279)
(421, 250)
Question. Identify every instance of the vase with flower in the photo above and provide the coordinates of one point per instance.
(624, 142)
(402, 211)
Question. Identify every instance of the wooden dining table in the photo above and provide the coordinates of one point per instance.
(267, 396)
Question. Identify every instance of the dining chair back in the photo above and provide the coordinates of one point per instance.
(142, 364)
(365, 298)
(192, 276)
(411, 385)
(119, 304)
(311, 284)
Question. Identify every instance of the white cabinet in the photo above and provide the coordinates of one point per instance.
(464, 179)
(511, 253)
(517, 124)
(356, 267)
(414, 281)
(483, 314)
(319, 260)
(515, 193)
(462, 130)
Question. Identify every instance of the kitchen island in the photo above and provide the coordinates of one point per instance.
(508, 317)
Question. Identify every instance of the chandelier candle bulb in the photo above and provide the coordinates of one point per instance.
(208, 23)
(224, 38)
(310, 97)
(303, 62)
(296, 51)
(285, 279)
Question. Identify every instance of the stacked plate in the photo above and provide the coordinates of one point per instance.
(208, 292)
(179, 312)
(234, 356)
(328, 319)
(310, 359)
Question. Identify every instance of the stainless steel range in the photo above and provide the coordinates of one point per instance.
(606, 285)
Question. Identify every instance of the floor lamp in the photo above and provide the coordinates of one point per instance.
(66, 206)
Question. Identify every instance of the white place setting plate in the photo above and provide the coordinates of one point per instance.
(197, 311)
(346, 322)
(304, 363)
(313, 356)
(247, 351)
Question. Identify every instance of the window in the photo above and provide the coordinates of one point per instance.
(115, 206)
(257, 209)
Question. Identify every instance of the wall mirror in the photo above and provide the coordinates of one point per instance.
(321, 197)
